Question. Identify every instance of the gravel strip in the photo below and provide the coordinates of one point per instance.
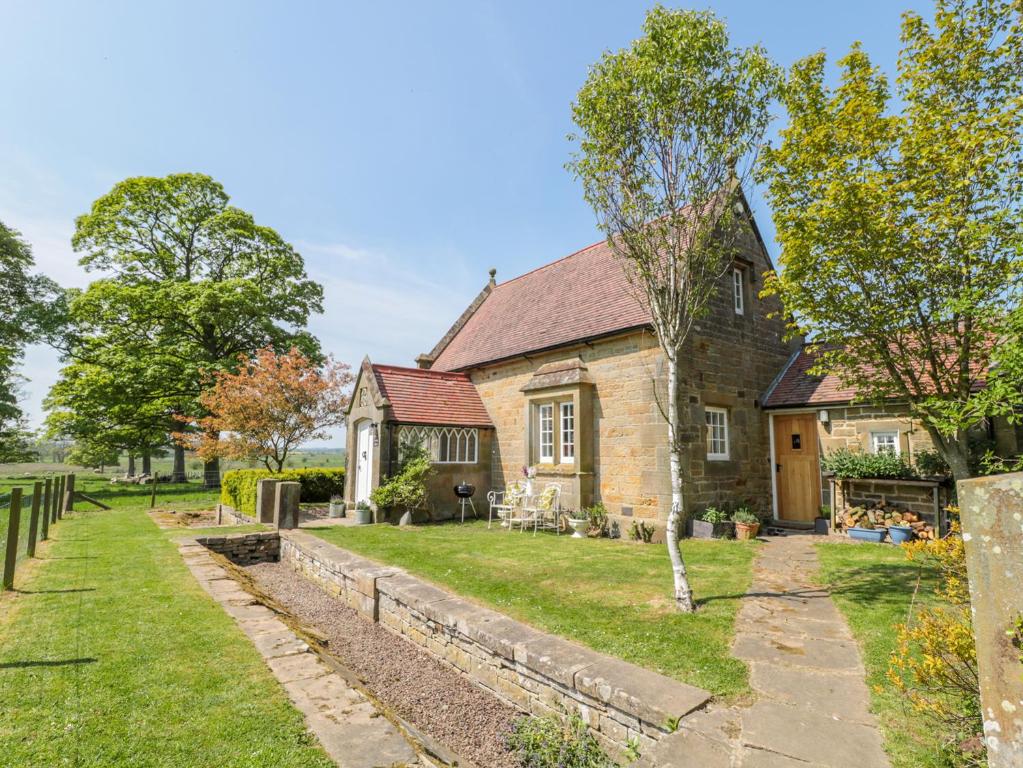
(427, 693)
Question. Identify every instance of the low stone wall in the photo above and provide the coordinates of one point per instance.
(531, 670)
(227, 515)
(245, 548)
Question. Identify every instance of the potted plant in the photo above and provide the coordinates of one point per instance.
(363, 513)
(579, 522)
(822, 523)
(712, 523)
(747, 524)
(337, 507)
(528, 474)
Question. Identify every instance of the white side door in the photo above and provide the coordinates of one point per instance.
(364, 461)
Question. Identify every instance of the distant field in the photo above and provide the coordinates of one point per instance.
(163, 466)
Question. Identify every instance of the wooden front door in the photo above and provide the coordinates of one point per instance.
(797, 467)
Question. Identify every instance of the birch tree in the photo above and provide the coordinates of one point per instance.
(668, 130)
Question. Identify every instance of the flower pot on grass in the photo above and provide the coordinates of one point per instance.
(336, 508)
(702, 529)
(747, 524)
(579, 526)
(363, 514)
(746, 531)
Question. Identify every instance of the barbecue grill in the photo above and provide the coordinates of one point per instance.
(465, 491)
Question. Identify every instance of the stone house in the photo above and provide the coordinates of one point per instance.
(810, 416)
(559, 369)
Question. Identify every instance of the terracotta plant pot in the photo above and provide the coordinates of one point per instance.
(746, 531)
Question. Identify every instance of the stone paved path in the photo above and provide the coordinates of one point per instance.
(812, 704)
(348, 725)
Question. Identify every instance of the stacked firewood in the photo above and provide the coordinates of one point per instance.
(882, 514)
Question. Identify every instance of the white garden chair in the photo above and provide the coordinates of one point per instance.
(544, 510)
(504, 503)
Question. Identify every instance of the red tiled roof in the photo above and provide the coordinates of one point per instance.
(581, 296)
(431, 397)
(798, 387)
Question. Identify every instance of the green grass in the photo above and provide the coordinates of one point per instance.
(873, 586)
(112, 655)
(613, 596)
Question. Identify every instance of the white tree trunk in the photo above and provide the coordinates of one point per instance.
(683, 592)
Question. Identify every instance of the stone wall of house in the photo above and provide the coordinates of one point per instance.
(531, 670)
(730, 362)
(442, 503)
(850, 426)
(245, 548)
(629, 436)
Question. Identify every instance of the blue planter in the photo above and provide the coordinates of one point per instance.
(900, 534)
(867, 534)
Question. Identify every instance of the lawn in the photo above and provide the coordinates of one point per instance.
(112, 655)
(873, 586)
(613, 596)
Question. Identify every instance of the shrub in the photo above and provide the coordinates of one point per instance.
(935, 663)
(407, 489)
(714, 515)
(598, 519)
(929, 463)
(549, 742)
(850, 465)
(238, 487)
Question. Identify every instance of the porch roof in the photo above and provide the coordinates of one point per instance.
(419, 396)
(796, 386)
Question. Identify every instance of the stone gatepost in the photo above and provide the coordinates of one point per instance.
(286, 504)
(265, 498)
(992, 518)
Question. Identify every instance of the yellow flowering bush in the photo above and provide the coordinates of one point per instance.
(935, 662)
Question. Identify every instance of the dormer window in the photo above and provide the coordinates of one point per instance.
(739, 290)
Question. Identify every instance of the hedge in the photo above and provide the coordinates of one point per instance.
(238, 487)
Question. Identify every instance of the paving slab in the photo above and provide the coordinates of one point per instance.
(348, 725)
(806, 735)
(813, 707)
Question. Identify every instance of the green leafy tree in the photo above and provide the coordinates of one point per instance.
(28, 312)
(190, 284)
(902, 230)
(668, 131)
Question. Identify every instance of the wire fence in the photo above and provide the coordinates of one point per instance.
(27, 515)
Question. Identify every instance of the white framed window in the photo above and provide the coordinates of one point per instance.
(739, 290)
(445, 445)
(546, 417)
(568, 432)
(717, 433)
(884, 442)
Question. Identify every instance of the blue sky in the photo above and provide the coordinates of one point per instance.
(404, 148)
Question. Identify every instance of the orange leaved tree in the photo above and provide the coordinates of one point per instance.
(274, 403)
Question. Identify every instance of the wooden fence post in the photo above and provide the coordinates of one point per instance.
(53, 500)
(69, 495)
(33, 520)
(60, 496)
(11, 553)
(46, 511)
